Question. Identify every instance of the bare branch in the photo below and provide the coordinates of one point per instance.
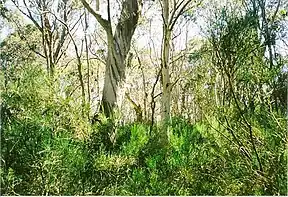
(103, 22)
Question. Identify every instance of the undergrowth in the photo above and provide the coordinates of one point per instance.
(48, 148)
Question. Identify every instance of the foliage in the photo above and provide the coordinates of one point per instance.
(227, 134)
(41, 153)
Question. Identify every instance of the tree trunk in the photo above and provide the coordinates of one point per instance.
(170, 18)
(166, 85)
(118, 48)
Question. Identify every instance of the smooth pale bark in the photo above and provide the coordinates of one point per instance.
(166, 85)
(87, 58)
(170, 17)
(118, 48)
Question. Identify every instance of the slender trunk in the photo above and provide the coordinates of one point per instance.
(80, 75)
(79, 68)
(175, 100)
(87, 59)
(153, 102)
(145, 94)
(44, 44)
(183, 100)
(216, 90)
(47, 42)
(267, 35)
(166, 85)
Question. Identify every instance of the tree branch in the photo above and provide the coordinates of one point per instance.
(103, 22)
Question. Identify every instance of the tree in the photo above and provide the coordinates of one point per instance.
(51, 19)
(118, 47)
(170, 18)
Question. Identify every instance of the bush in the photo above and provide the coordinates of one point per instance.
(49, 148)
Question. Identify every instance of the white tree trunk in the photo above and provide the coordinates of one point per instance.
(118, 48)
(166, 85)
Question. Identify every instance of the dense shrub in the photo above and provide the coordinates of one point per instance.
(49, 148)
